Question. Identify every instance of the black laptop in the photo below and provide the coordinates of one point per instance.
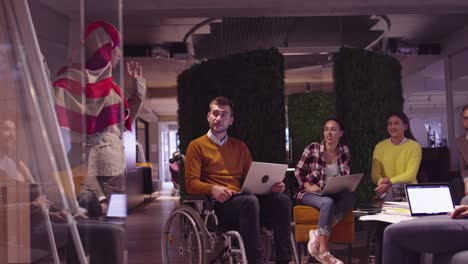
(429, 199)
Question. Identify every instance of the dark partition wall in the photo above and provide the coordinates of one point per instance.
(254, 81)
(368, 87)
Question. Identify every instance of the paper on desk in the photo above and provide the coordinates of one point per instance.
(396, 204)
(386, 218)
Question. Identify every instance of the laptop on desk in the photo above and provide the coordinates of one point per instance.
(341, 183)
(117, 209)
(429, 199)
(262, 176)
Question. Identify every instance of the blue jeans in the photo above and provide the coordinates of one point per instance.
(332, 208)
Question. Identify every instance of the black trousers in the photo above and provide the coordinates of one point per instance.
(245, 212)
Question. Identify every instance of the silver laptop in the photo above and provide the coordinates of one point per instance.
(341, 183)
(262, 176)
(429, 199)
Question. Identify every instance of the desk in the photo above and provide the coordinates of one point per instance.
(378, 223)
(386, 218)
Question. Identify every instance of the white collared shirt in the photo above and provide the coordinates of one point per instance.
(216, 140)
(402, 142)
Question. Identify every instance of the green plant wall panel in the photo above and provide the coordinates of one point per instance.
(254, 81)
(306, 114)
(368, 88)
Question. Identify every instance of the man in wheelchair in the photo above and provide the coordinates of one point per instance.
(217, 165)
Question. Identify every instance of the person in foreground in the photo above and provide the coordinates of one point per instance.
(404, 242)
(319, 162)
(105, 110)
(217, 165)
(396, 159)
(462, 150)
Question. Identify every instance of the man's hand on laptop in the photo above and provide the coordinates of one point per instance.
(221, 193)
(278, 187)
(460, 212)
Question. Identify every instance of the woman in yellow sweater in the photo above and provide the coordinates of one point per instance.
(396, 159)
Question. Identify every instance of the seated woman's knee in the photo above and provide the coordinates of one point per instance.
(327, 201)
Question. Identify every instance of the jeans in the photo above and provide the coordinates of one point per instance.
(332, 208)
(245, 212)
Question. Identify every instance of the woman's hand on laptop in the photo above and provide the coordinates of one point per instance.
(460, 212)
(221, 193)
(312, 188)
(278, 187)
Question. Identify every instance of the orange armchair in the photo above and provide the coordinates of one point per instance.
(306, 218)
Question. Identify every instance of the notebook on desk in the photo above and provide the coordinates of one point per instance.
(262, 176)
(341, 183)
(429, 199)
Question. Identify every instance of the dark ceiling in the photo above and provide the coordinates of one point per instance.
(236, 35)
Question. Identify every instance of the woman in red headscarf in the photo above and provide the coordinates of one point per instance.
(94, 114)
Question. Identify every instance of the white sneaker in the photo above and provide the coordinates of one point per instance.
(312, 245)
(327, 258)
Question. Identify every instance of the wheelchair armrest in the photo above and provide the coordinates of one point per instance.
(203, 202)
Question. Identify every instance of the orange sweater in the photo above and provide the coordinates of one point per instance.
(207, 165)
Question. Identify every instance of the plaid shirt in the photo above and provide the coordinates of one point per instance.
(311, 167)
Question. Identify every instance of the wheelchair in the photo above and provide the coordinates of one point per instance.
(192, 235)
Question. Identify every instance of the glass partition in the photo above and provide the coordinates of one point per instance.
(459, 81)
(65, 117)
(38, 196)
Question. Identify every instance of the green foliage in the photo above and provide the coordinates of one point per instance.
(368, 88)
(306, 114)
(254, 81)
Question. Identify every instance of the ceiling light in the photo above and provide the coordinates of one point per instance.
(296, 53)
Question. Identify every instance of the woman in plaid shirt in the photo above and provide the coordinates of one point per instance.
(328, 158)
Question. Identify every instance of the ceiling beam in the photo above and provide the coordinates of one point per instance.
(226, 8)
(223, 8)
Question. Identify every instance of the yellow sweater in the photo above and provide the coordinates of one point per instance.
(400, 163)
(207, 164)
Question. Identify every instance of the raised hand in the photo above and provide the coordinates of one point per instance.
(134, 69)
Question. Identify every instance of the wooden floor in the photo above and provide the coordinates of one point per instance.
(145, 225)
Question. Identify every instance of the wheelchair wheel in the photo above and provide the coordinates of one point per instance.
(184, 239)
